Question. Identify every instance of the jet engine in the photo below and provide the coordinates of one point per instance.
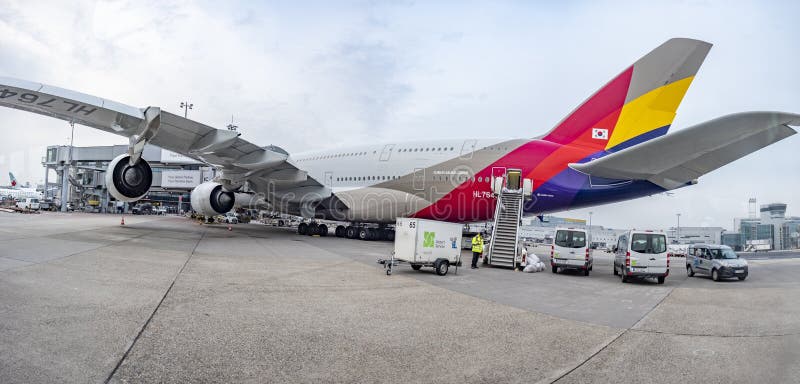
(210, 199)
(128, 182)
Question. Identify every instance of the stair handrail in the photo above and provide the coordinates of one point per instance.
(516, 225)
(494, 228)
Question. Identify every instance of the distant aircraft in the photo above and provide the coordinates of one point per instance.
(19, 192)
(613, 147)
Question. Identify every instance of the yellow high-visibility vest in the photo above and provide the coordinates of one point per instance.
(477, 244)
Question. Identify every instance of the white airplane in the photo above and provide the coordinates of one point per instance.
(613, 147)
(19, 193)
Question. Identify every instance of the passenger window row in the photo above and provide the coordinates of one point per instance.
(334, 156)
(459, 178)
(366, 178)
(352, 154)
(434, 149)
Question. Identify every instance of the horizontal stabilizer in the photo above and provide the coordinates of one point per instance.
(673, 160)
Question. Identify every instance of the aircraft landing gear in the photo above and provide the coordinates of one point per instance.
(312, 229)
(353, 231)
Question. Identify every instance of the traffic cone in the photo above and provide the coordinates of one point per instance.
(122, 222)
(229, 227)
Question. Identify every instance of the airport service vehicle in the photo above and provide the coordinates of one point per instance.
(758, 245)
(29, 203)
(612, 147)
(642, 254)
(717, 261)
(426, 243)
(45, 205)
(231, 218)
(142, 209)
(571, 250)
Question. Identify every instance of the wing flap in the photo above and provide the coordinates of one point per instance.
(676, 159)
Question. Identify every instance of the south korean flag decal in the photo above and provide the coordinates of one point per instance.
(600, 133)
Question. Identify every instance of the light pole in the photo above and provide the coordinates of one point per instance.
(186, 107)
(678, 229)
(65, 171)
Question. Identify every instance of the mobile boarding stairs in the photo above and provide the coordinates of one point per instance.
(504, 246)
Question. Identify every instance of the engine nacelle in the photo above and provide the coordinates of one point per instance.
(210, 199)
(126, 182)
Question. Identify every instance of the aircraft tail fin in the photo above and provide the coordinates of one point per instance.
(13, 179)
(637, 105)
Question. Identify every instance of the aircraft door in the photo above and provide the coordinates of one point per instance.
(498, 172)
(513, 179)
(419, 179)
(468, 148)
(387, 152)
(328, 179)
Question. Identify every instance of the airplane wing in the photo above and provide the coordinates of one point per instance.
(673, 160)
(266, 168)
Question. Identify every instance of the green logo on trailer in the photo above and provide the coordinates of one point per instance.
(428, 241)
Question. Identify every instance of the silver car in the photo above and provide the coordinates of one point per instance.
(717, 261)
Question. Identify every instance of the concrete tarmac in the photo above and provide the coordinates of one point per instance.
(164, 299)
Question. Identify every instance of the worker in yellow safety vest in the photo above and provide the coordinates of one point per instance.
(477, 249)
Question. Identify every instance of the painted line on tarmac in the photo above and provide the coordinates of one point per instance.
(603, 348)
(720, 336)
(152, 314)
(774, 261)
(73, 254)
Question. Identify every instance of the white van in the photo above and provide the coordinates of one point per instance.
(571, 250)
(29, 203)
(642, 254)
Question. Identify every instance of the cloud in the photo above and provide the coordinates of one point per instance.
(323, 75)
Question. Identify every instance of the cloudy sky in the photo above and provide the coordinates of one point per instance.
(306, 75)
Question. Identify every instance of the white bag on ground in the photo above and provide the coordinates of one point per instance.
(532, 264)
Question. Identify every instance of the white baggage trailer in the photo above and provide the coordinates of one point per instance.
(425, 243)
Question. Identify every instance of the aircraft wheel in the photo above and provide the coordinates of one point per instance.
(302, 229)
(322, 230)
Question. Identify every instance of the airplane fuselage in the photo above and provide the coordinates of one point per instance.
(451, 179)
(21, 193)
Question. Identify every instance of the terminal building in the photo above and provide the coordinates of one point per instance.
(772, 229)
(174, 177)
(695, 235)
(536, 230)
